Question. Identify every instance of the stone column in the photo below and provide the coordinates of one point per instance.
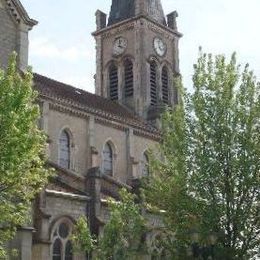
(23, 244)
(41, 238)
(99, 88)
(22, 46)
(171, 20)
(93, 187)
(101, 20)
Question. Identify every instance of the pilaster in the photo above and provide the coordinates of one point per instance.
(93, 187)
(99, 67)
(23, 243)
(23, 46)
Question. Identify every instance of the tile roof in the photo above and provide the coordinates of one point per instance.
(91, 102)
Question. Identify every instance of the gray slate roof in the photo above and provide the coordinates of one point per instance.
(91, 102)
(124, 9)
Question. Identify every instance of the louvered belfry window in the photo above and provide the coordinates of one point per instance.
(129, 79)
(153, 83)
(113, 82)
(64, 150)
(165, 86)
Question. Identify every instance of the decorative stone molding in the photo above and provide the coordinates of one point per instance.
(70, 107)
(67, 195)
(19, 13)
(121, 29)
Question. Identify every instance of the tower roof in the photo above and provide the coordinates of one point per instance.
(124, 9)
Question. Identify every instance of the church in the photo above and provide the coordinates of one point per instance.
(97, 143)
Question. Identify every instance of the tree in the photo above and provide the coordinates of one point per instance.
(22, 147)
(122, 236)
(81, 236)
(209, 178)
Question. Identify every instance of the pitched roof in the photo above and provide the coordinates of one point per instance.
(125, 9)
(91, 103)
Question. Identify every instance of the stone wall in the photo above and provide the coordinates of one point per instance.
(78, 129)
(8, 35)
(88, 133)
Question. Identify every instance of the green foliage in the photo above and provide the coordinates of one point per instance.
(122, 236)
(81, 236)
(22, 147)
(209, 178)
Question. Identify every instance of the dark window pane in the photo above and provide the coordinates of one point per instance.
(68, 251)
(64, 146)
(145, 165)
(107, 159)
(56, 252)
(63, 230)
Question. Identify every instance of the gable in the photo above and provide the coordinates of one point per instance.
(15, 24)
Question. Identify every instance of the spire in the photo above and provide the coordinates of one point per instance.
(125, 9)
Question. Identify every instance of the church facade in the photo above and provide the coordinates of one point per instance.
(97, 143)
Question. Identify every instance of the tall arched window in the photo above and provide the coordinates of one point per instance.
(153, 83)
(165, 86)
(113, 82)
(108, 159)
(62, 246)
(145, 165)
(129, 78)
(56, 251)
(68, 251)
(64, 150)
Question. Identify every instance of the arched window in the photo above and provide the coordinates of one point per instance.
(64, 150)
(113, 82)
(145, 165)
(68, 251)
(165, 86)
(129, 78)
(56, 254)
(108, 159)
(62, 246)
(153, 83)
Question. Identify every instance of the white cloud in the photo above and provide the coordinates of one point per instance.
(80, 81)
(43, 47)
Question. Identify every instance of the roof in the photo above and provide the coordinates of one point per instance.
(125, 9)
(121, 10)
(91, 103)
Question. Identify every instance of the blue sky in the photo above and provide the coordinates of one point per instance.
(61, 45)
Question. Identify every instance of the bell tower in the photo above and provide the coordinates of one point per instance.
(137, 56)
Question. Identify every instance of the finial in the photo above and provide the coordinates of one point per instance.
(172, 20)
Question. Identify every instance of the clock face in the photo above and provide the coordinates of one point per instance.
(159, 46)
(120, 45)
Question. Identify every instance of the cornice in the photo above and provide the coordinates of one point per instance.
(102, 117)
(133, 19)
(19, 13)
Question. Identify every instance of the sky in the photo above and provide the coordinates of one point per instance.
(62, 48)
